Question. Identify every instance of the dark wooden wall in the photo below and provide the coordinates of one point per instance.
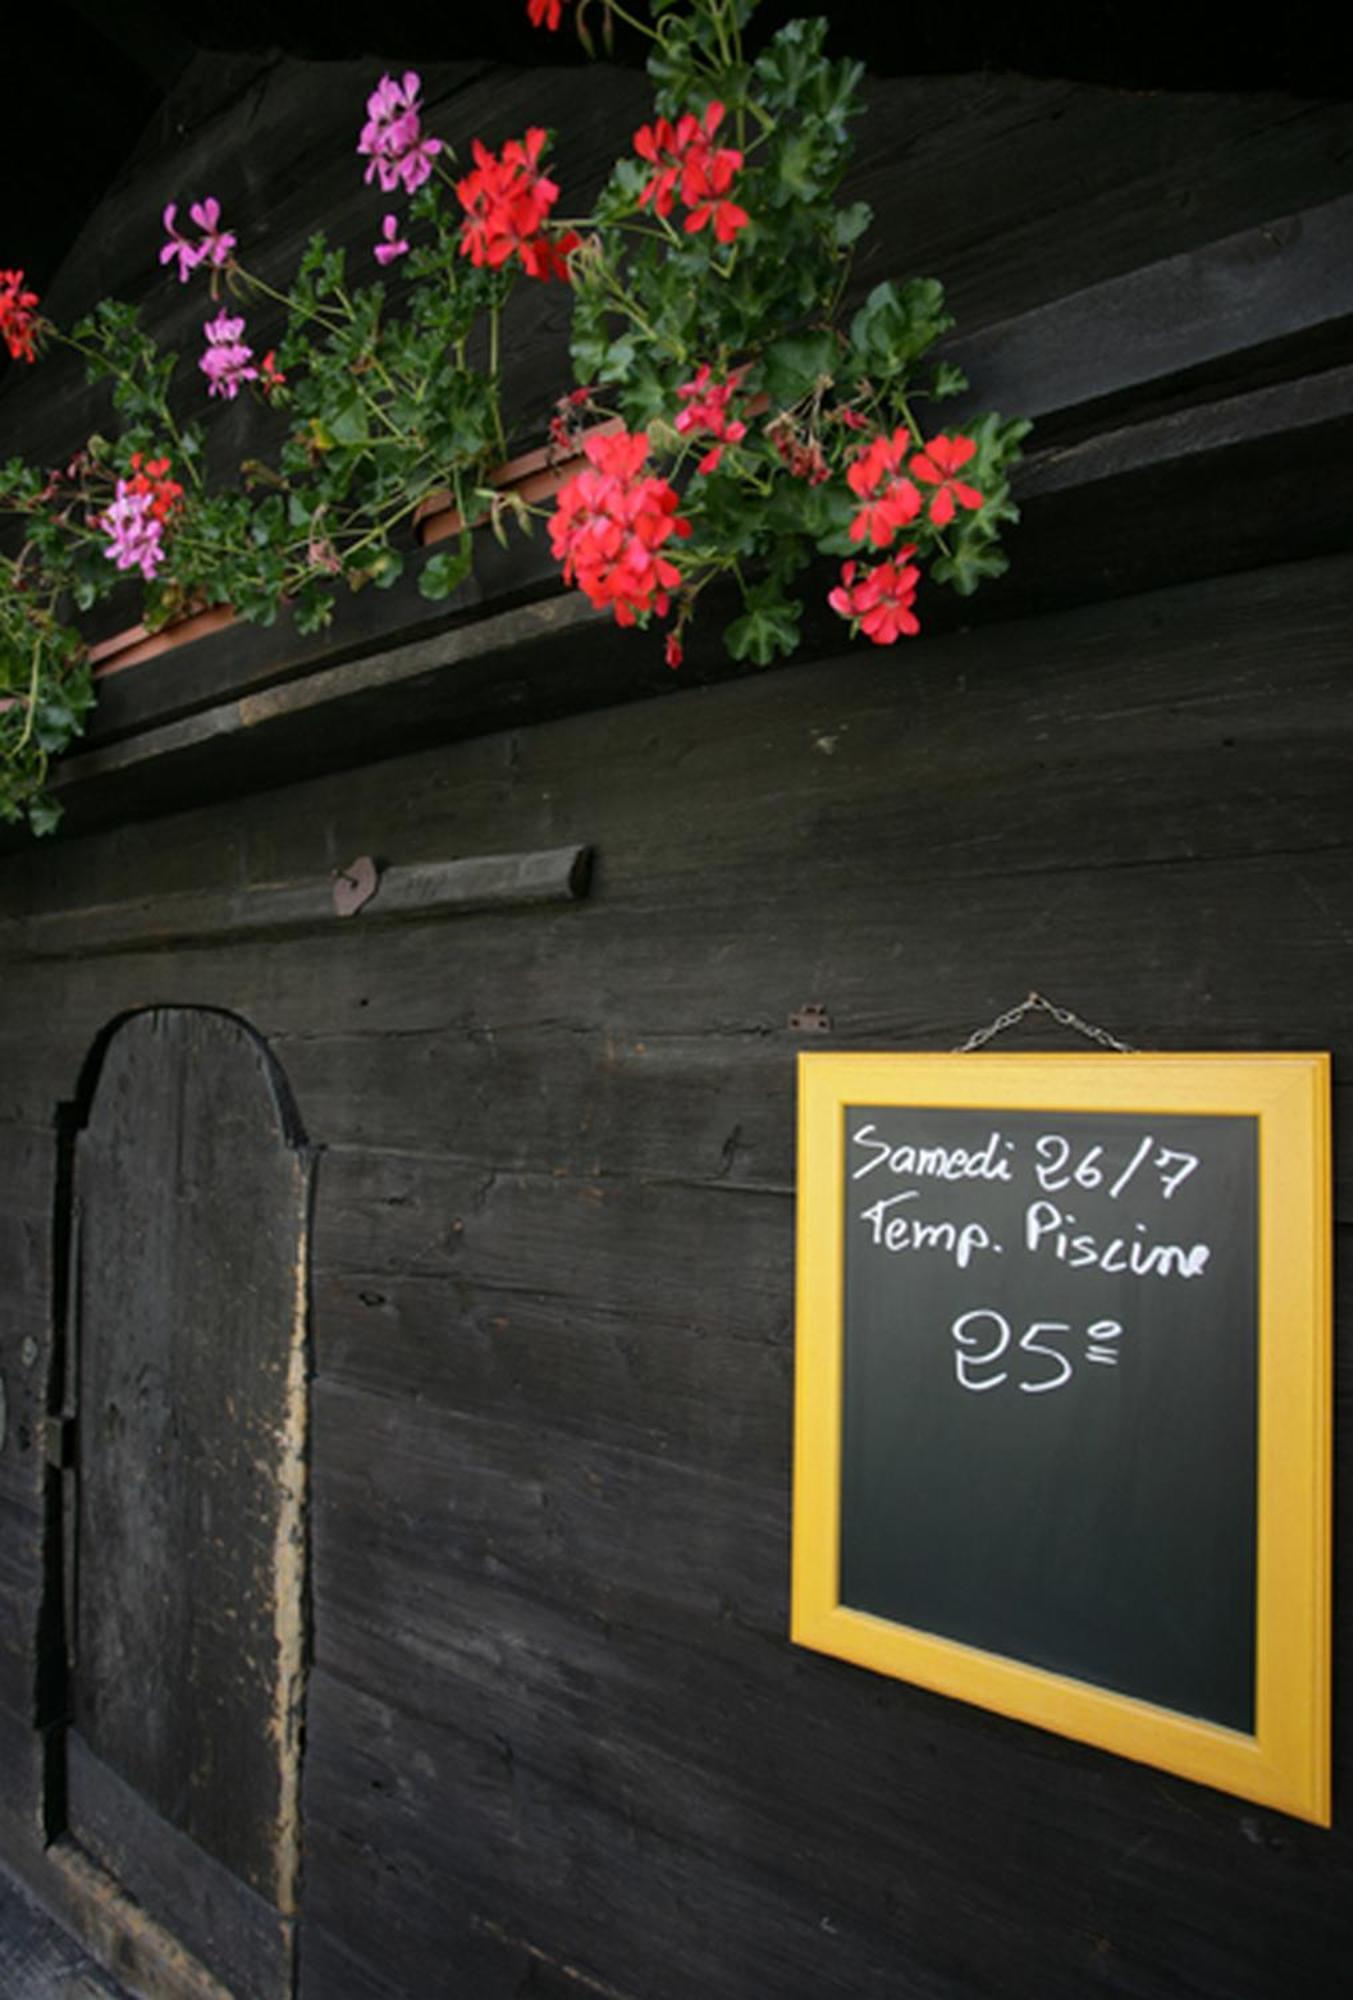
(557, 1741)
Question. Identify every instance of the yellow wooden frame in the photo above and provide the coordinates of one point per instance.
(1285, 1763)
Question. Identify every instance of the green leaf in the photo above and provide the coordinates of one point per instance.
(849, 224)
(44, 814)
(441, 573)
(796, 170)
(970, 565)
(618, 359)
(347, 418)
(770, 625)
(313, 609)
(787, 69)
(795, 366)
(896, 324)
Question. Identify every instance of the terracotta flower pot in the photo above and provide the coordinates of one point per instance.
(125, 649)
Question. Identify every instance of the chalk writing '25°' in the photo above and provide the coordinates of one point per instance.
(982, 1338)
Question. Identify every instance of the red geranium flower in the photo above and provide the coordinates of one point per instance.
(151, 476)
(707, 409)
(890, 502)
(610, 525)
(657, 143)
(937, 463)
(880, 603)
(550, 12)
(17, 318)
(686, 161)
(507, 203)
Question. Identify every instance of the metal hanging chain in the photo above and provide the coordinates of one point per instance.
(1035, 1004)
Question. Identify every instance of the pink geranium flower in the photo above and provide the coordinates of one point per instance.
(226, 361)
(216, 244)
(394, 245)
(135, 531)
(392, 138)
(188, 255)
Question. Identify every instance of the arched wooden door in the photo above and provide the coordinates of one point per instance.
(187, 1651)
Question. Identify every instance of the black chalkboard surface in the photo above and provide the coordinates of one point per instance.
(1049, 1355)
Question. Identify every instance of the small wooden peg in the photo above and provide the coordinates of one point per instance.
(355, 885)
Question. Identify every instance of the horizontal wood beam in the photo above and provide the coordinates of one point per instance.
(434, 889)
(1281, 411)
(1287, 278)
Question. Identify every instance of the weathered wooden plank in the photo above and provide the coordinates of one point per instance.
(27, 1189)
(278, 723)
(333, 1971)
(445, 888)
(1279, 410)
(1131, 530)
(21, 1574)
(578, 1306)
(38, 1960)
(1286, 277)
(24, 1251)
(614, 1534)
(27, 1169)
(1182, 744)
(539, 1858)
(23, 1393)
(1074, 185)
(382, 1215)
(114, 1928)
(640, 1846)
(22, 1754)
(238, 1936)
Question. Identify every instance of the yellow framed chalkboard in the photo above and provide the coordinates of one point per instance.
(1063, 1402)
